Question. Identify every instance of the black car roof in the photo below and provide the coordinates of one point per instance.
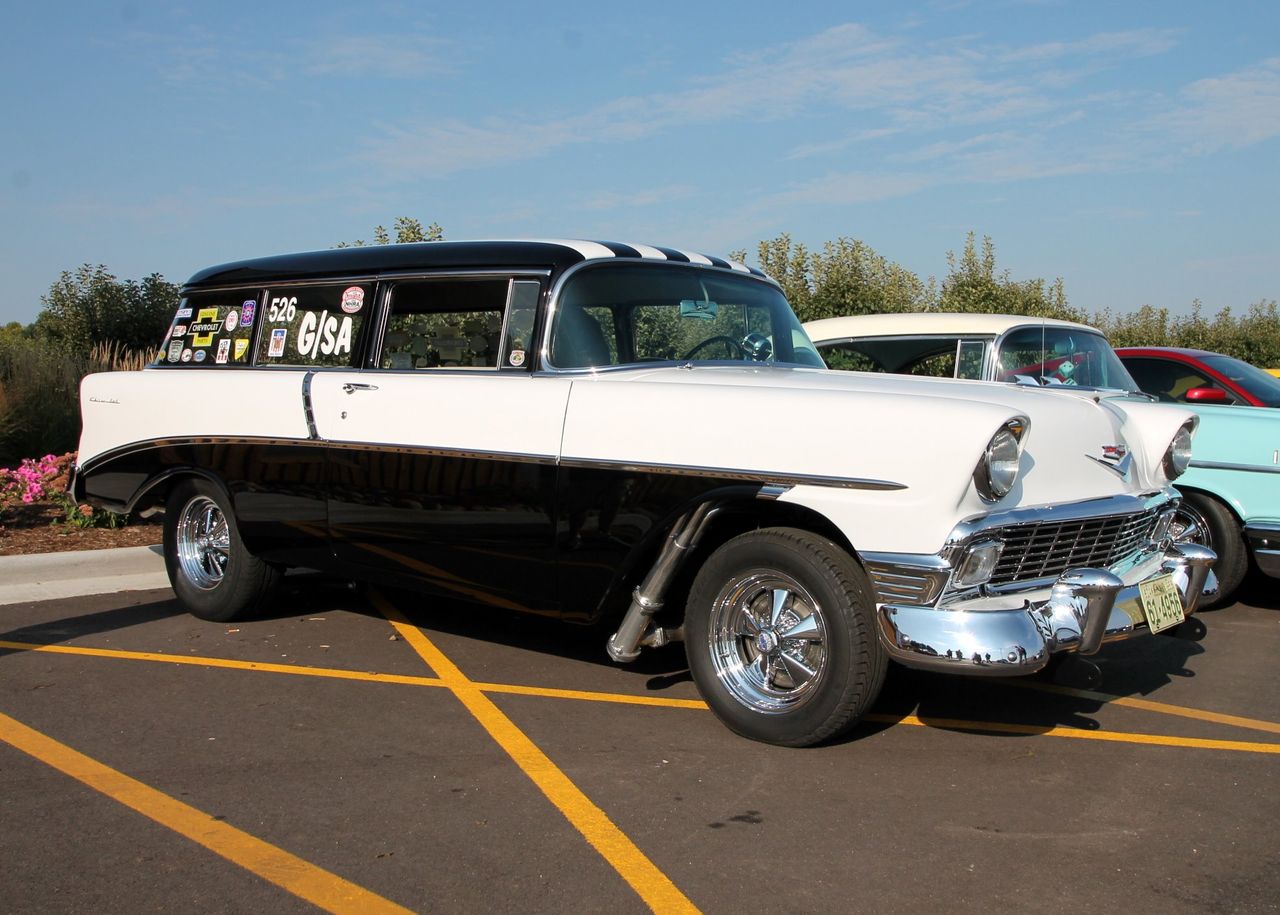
(369, 259)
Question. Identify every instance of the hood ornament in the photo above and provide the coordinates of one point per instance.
(1115, 457)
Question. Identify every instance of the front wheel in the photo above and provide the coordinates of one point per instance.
(210, 570)
(780, 636)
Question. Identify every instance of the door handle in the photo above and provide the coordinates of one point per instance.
(352, 386)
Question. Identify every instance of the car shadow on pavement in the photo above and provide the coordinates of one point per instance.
(69, 628)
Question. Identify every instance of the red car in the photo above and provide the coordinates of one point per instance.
(1196, 377)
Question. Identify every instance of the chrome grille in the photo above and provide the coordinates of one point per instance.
(1046, 549)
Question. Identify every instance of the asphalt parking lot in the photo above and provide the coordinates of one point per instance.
(366, 750)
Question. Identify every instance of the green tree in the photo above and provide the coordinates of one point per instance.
(846, 277)
(407, 230)
(90, 306)
(972, 285)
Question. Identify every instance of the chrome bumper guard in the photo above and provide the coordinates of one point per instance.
(1081, 610)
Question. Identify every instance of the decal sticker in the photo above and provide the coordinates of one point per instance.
(232, 321)
(242, 347)
(180, 330)
(323, 334)
(224, 351)
(183, 313)
(352, 299)
(186, 355)
(200, 354)
(206, 325)
(283, 308)
(277, 342)
(175, 350)
(246, 312)
(516, 358)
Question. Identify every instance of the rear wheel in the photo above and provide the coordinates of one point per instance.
(210, 570)
(780, 636)
(1204, 520)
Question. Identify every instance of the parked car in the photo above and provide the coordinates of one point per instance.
(598, 431)
(1231, 493)
(1194, 376)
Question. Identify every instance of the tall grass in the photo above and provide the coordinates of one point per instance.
(40, 394)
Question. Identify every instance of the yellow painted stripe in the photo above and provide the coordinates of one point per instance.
(337, 673)
(1148, 705)
(289, 872)
(650, 883)
(1000, 727)
(652, 701)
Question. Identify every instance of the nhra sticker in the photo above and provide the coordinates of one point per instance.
(246, 312)
(183, 313)
(179, 330)
(242, 347)
(200, 354)
(186, 355)
(352, 299)
(232, 321)
(175, 350)
(277, 342)
(224, 351)
(207, 324)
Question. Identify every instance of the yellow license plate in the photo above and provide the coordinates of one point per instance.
(1161, 602)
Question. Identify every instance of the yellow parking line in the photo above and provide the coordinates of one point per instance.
(1150, 706)
(338, 673)
(1001, 727)
(289, 872)
(650, 883)
(664, 702)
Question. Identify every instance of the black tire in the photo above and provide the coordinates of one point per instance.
(1203, 519)
(781, 638)
(210, 570)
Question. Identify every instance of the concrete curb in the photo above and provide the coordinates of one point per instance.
(53, 576)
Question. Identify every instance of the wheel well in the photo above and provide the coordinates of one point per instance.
(1225, 503)
(153, 495)
(738, 516)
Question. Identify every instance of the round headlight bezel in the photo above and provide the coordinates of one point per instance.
(998, 469)
(1177, 457)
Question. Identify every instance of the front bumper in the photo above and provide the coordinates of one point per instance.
(1014, 634)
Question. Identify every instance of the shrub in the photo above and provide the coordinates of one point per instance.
(46, 480)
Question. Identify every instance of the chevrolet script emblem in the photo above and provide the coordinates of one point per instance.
(1114, 457)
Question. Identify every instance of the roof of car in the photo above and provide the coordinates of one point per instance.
(513, 253)
(900, 324)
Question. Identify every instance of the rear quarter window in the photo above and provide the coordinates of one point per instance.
(212, 328)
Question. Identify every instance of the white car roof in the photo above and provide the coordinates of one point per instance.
(913, 323)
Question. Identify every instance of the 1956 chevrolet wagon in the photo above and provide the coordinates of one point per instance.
(598, 431)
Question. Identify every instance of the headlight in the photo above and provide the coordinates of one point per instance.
(998, 469)
(1178, 457)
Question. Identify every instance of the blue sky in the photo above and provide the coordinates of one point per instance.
(1130, 148)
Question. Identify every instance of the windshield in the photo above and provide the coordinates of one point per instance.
(1260, 384)
(621, 315)
(1061, 356)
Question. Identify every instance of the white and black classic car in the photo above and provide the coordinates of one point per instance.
(600, 431)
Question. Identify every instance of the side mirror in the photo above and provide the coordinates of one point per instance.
(1207, 395)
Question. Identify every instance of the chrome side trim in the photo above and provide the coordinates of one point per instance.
(907, 578)
(1224, 465)
(729, 473)
(307, 406)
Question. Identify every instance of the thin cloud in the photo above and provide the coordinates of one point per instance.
(388, 55)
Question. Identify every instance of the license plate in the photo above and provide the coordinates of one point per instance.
(1161, 602)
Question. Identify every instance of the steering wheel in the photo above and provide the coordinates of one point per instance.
(734, 347)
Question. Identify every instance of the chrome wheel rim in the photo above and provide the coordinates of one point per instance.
(203, 543)
(1189, 526)
(768, 641)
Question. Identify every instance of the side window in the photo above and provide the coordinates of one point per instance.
(213, 328)
(446, 323)
(1168, 380)
(969, 357)
(848, 357)
(312, 325)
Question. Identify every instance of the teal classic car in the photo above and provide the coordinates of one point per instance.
(1231, 492)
